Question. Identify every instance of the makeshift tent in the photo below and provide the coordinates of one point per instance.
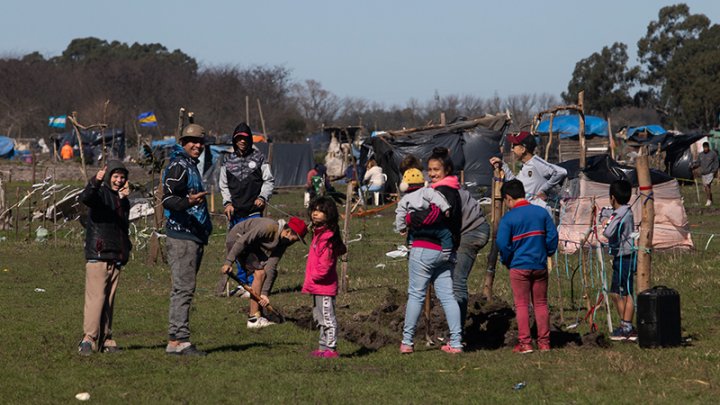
(592, 190)
(93, 140)
(644, 133)
(568, 126)
(566, 133)
(7, 147)
(471, 143)
(290, 162)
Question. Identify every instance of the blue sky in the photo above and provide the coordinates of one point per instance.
(385, 51)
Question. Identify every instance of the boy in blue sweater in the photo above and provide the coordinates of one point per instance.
(526, 236)
(618, 231)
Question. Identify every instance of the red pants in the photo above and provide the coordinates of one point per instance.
(530, 286)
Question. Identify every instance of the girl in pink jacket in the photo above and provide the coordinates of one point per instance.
(320, 273)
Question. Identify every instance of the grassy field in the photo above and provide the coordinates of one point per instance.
(39, 332)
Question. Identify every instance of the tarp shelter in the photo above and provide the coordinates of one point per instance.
(592, 190)
(644, 133)
(7, 147)
(568, 126)
(290, 162)
(93, 141)
(471, 143)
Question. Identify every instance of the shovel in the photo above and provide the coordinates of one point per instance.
(277, 316)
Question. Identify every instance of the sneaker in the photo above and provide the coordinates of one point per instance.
(85, 348)
(618, 335)
(632, 335)
(451, 350)
(184, 349)
(708, 203)
(259, 323)
(522, 348)
(110, 346)
(406, 349)
(240, 292)
(544, 347)
(317, 353)
(330, 354)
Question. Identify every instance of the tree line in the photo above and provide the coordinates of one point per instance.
(677, 80)
(148, 77)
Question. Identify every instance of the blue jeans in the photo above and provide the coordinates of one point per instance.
(371, 189)
(428, 266)
(242, 275)
(470, 244)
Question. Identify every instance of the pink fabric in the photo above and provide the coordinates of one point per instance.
(671, 228)
(320, 273)
(530, 286)
(449, 181)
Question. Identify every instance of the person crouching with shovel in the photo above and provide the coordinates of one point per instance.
(259, 244)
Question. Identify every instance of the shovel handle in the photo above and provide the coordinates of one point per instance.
(247, 288)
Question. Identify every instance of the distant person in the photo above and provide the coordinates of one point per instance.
(246, 184)
(317, 182)
(708, 163)
(321, 279)
(618, 231)
(538, 177)
(373, 179)
(258, 244)
(188, 227)
(66, 152)
(410, 162)
(526, 236)
(107, 250)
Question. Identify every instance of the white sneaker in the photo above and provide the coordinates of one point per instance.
(259, 323)
(243, 292)
(708, 203)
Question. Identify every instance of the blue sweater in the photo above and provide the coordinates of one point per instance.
(526, 236)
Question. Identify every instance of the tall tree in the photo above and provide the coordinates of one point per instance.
(605, 78)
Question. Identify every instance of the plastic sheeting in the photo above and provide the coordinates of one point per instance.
(7, 147)
(568, 126)
(653, 130)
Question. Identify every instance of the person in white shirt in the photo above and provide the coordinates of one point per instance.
(374, 180)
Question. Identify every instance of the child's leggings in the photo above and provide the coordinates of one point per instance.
(324, 315)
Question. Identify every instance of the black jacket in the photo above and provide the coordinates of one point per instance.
(107, 226)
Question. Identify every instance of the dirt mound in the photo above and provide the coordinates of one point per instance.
(489, 325)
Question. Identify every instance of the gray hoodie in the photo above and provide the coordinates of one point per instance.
(618, 231)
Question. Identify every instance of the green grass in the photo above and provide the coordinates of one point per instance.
(39, 332)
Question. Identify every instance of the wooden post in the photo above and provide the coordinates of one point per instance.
(29, 201)
(262, 119)
(583, 263)
(346, 229)
(73, 120)
(581, 129)
(645, 244)
(612, 139)
(17, 211)
(247, 110)
(442, 118)
(497, 207)
(181, 118)
(550, 136)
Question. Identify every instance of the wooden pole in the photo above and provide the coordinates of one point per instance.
(29, 201)
(17, 211)
(262, 119)
(645, 244)
(247, 110)
(581, 130)
(73, 120)
(498, 179)
(442, 119)
(181, 118)
(612, 139)
(583, 263)
(346, 230)
(550, 136)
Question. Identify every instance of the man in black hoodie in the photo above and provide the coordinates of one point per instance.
(107, 247)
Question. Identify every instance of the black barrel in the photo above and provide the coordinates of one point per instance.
(658, 312)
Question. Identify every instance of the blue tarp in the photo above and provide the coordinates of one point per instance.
(568, 126)
(7, 147)
(653, 130)
(163, 143)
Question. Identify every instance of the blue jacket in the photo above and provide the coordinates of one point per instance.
(526, 236)
(181, 177)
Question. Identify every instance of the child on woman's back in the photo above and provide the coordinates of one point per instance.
(320, 273)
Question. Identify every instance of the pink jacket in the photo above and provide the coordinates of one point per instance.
(320, 273)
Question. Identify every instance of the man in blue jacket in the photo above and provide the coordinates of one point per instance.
(526, 236)
(188, 228)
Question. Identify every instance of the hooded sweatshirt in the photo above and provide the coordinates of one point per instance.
(448, 187)
(107, 224)
(245, 178)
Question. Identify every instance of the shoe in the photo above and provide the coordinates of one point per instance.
(632, 335)
(243, 293)
(85, 348)
(110, 346)
(618, 335)
(406, 349)
(317, 353)
(544, 347)
(330, 354)
(451, 350)
(708, 203)
(522, 348)
(184, 349)
(259, 323)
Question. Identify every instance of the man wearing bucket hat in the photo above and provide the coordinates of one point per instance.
(537, 176)
(246, 185)
(188, 228)
(258, 244)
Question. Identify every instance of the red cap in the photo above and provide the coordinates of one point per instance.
(523, 138)
(298, 226)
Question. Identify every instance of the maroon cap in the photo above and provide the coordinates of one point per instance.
(298, 226)
(523, 138)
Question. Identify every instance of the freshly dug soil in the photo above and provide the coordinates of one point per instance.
(489, 325)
